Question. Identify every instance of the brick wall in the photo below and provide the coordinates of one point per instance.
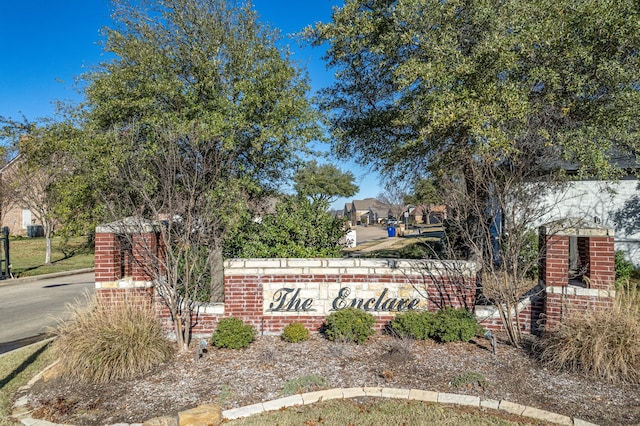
(271, 293)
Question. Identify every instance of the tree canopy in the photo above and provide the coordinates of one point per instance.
(425, 192)
(323, 183)
(429, 83)
(196, 111)
(496, 99)
(206, 63)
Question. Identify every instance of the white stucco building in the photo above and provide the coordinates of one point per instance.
(614, 204)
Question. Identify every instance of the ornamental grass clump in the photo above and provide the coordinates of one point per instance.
(295, 332)
(107, 342)
(233, 333)
(349, 325)
(603, 344)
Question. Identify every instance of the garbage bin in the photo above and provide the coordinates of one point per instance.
(391, 230)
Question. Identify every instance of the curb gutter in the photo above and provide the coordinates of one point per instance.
(45, 276)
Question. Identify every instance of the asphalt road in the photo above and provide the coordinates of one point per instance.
(370, 233)
(29, 308)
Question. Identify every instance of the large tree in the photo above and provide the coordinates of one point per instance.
(487, 96)
(202, 87)
(323, 183)
(425, 81)
(39, 167)
(426, 193)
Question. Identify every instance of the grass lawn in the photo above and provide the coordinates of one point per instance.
(16, 369)
(27, 256)
(381, 412)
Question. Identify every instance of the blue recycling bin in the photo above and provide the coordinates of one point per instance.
(391, 230)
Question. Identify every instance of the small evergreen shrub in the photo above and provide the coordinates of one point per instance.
(451, 325)
(414, 324)
(295, 332)
(104, 343)
(349, 324)
(233, 333)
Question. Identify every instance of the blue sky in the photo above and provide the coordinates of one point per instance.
(45, 45)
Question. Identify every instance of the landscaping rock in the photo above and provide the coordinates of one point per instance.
(203, 415)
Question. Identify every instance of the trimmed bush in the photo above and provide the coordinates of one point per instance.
(295, 332)
(414, 324)
(104, 343)
(603, 344)
(233, 333)
(451, 325)
(349, 325)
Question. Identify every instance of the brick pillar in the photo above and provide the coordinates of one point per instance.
(596, 253)
(145, 255)
(601, 270)
(108, 261)
(554, 263)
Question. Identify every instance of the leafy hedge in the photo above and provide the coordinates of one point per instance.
(446, 325)
(349, 324)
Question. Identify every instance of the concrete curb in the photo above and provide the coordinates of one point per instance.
(408, 394)
(21, 413)
(45, 276)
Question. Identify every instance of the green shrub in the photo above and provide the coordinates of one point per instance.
(308, 383)
(349, 324)
(451, 325)
(232, 333)
(295, 332)
(106, 343)
(603, 344)
(414, 324)
(623, 268)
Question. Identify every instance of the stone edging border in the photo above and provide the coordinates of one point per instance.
(409, 394)
(21, 413)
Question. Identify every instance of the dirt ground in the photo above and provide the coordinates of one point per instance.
(235, 378)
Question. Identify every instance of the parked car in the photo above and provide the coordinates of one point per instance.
(392, 221)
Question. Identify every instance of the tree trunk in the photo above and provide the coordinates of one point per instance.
(217, 274)
(48, 231)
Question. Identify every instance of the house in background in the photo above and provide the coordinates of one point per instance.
(16, 216)
(377, 213)
(365, 212)
(428, 214)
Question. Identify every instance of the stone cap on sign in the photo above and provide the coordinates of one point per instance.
(337, 266)
(576, 227)
(128, 225)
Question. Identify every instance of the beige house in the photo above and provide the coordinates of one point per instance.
(365, 212)
(18, 217)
